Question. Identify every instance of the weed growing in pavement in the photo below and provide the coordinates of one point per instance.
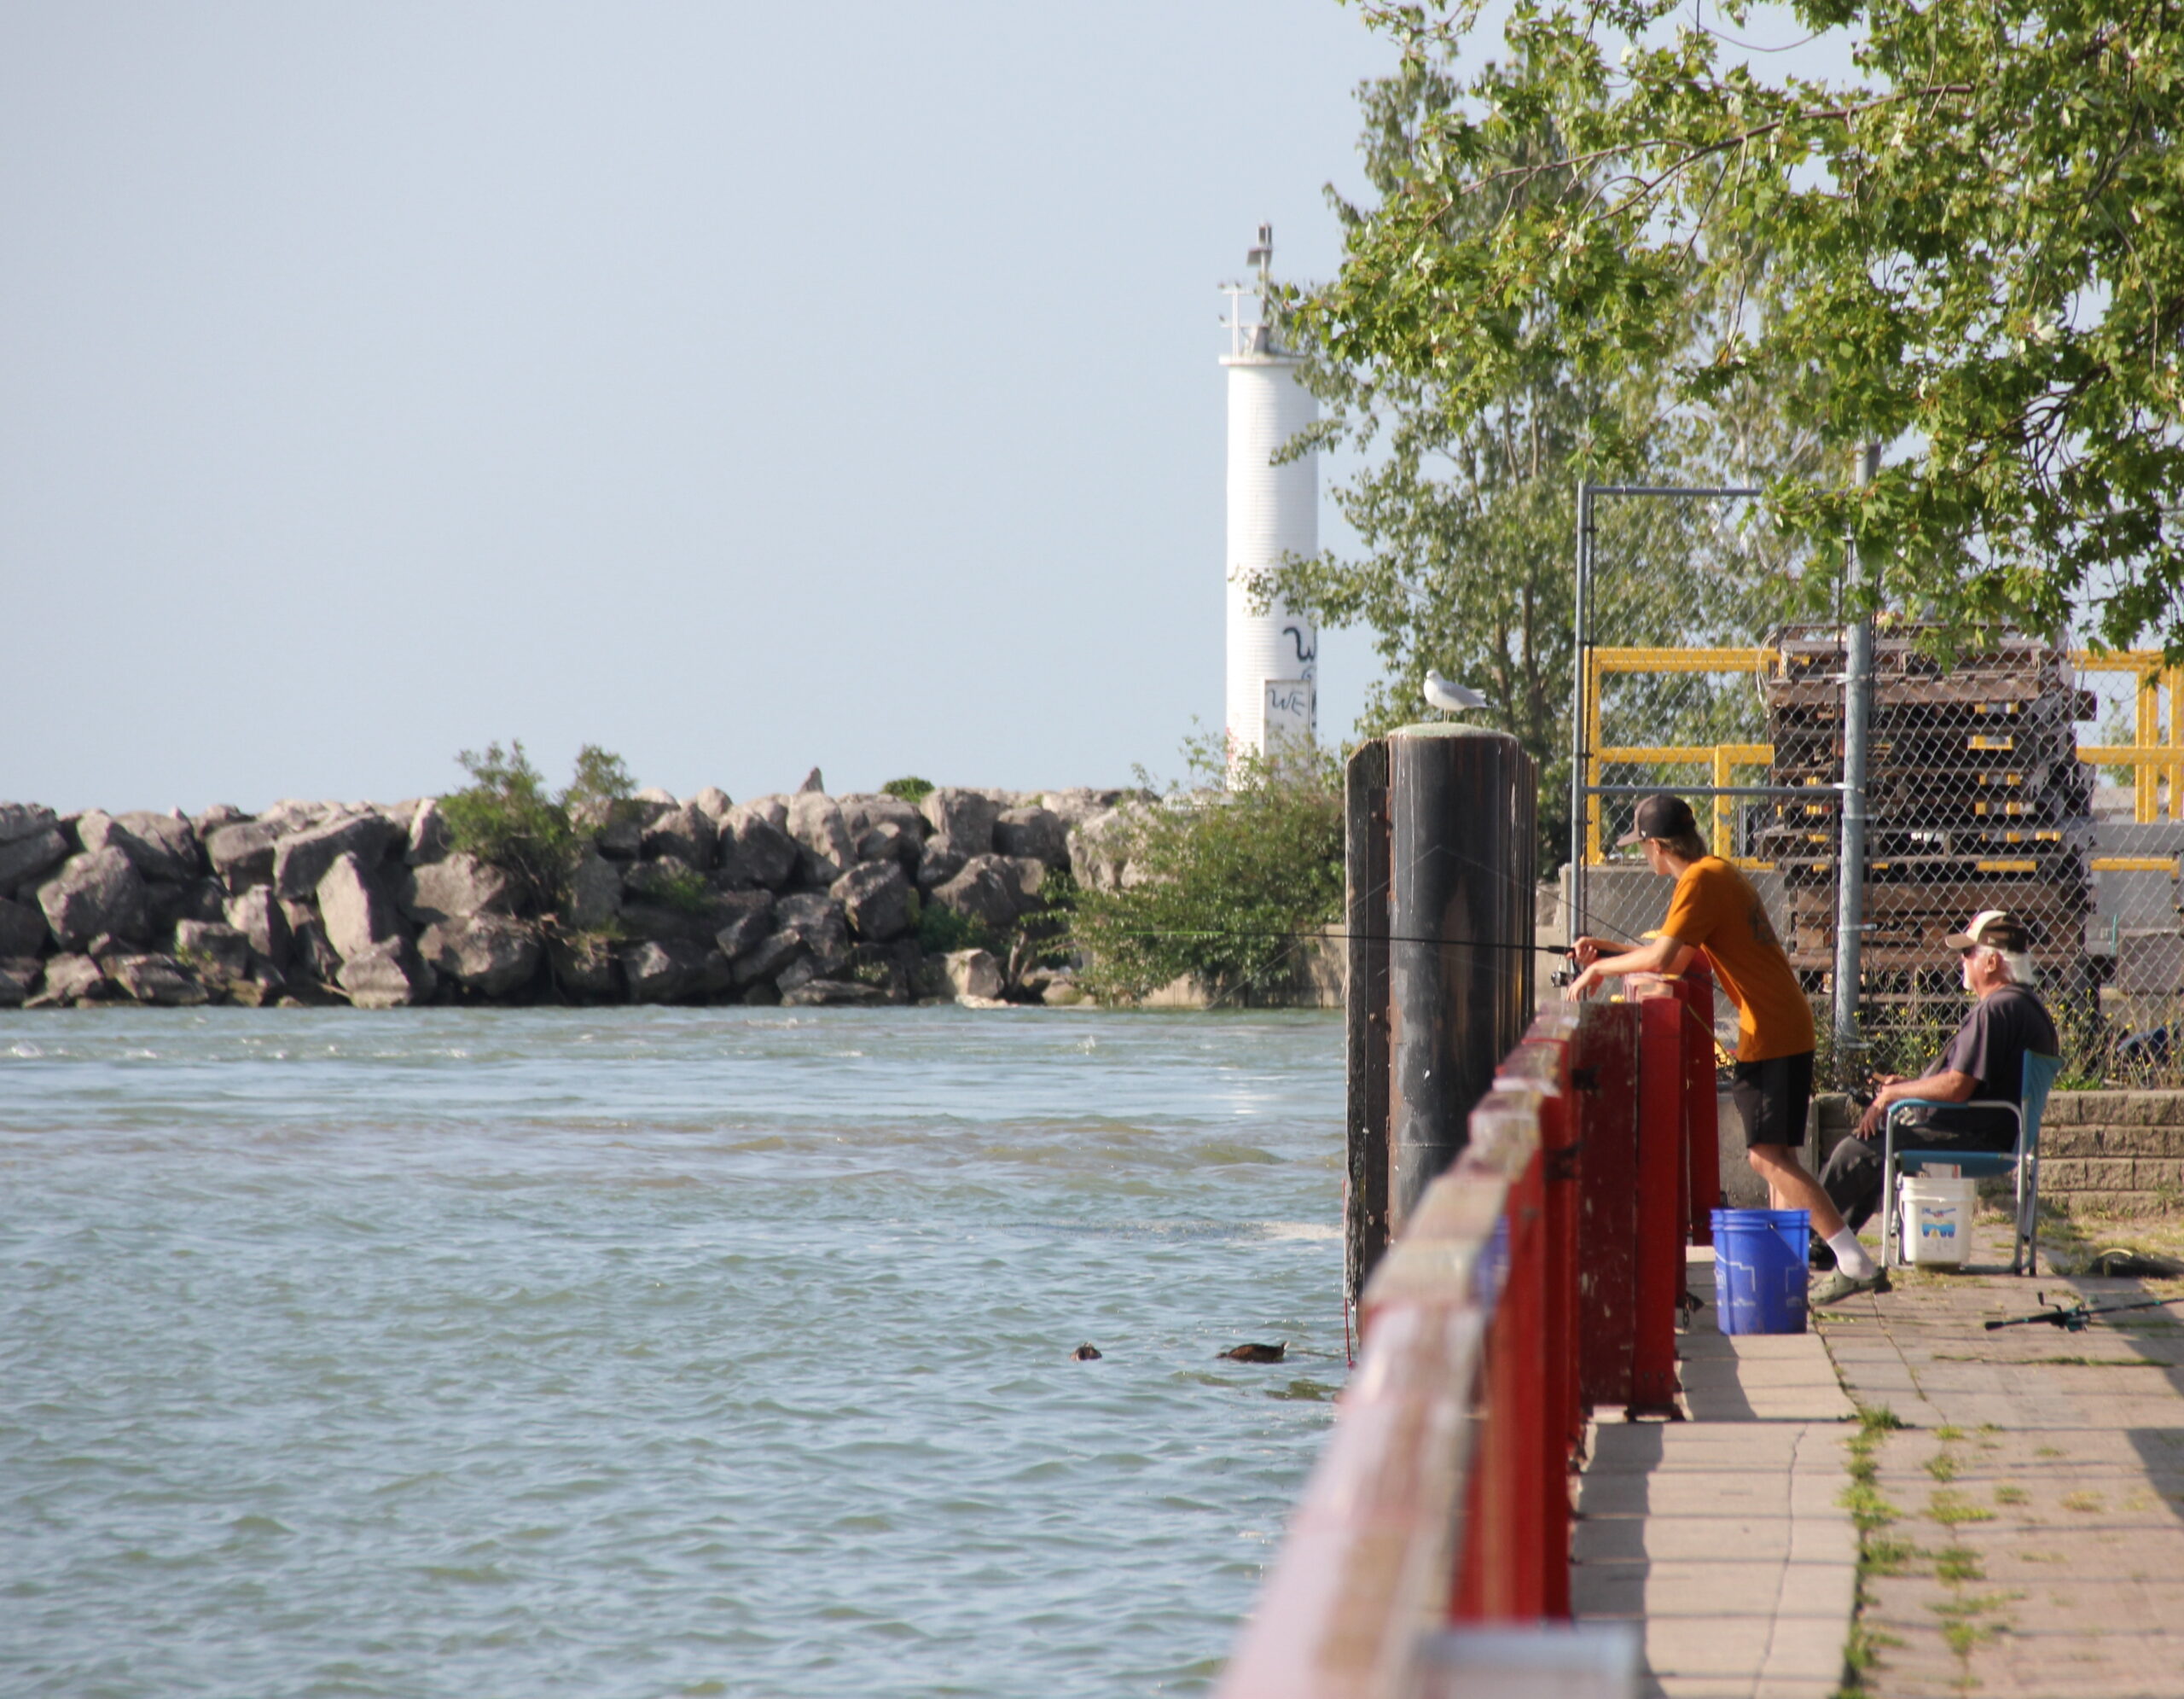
(1956, 1563)
(1941, 1466)
(2006, 1494)
(1950, 1509)
(2087, 1502)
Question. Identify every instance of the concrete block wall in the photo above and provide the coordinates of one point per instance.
(2121, 1150)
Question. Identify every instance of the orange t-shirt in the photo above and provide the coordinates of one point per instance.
(1715, 909)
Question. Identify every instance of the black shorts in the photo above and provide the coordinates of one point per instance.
(1772, 1097)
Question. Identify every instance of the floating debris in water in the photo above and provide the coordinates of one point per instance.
(1085, 1353)
(1256, 1352)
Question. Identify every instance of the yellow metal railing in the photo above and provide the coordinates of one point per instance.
(2153, 758)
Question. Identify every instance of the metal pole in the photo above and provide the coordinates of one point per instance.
(1573, 917)
(1851, 862)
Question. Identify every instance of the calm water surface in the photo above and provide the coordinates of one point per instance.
(653, 1352)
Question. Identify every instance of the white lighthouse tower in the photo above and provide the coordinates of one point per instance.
(1273, 511)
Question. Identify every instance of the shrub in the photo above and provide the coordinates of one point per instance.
(505, 815)
(1226, 880)
(908, 789)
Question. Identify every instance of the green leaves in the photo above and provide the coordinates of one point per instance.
(506, 816)
(1225, 883)
(1975, 254)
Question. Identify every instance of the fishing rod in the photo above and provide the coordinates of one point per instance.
(2075, 1317)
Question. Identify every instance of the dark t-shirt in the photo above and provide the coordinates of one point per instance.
(1991, 1047)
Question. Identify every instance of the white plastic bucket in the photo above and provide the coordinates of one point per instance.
(1935, 1218)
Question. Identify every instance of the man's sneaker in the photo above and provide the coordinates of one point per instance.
(1839, 1286)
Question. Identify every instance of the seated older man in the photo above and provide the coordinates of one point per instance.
(1984, 1060)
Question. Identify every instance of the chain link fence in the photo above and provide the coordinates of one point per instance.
(2025, 778)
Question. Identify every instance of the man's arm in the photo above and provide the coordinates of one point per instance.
(1665, 955)
(1948, 1086)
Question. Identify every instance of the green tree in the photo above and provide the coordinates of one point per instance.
(507, 816)
(1465, 511)
(1974, 251)
(1227, 879)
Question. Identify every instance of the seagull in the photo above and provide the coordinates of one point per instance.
(1444, 693)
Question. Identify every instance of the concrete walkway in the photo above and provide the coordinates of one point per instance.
(1726, 1536)
(2033, 1542)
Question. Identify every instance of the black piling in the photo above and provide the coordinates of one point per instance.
(1460, 917)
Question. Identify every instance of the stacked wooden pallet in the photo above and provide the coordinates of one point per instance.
(1975, 799)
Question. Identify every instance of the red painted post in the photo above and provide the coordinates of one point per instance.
(1603, 1078)
(1663, 1153)
(1701, 1104)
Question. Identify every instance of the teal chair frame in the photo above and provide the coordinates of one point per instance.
(2023, 1160)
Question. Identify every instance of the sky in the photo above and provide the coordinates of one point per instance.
(741, 387)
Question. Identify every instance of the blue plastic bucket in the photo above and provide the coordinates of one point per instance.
(1759, 1269)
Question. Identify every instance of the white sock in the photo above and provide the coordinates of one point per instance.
(1851, 1256)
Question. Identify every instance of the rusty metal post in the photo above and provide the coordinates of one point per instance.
(1459, 917)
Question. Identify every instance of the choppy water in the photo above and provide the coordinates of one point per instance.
(653, 1352)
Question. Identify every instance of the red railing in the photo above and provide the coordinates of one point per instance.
(1538, 1279)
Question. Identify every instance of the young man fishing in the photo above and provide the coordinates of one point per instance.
(1714, 909)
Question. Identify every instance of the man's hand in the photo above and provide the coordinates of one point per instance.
(1588, 951)
(1576, 990)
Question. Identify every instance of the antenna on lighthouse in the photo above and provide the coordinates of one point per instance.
(1273, 513)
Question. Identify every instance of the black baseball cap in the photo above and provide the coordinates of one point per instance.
(1660, 816)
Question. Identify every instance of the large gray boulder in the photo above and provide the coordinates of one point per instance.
(22, 929)
(864, 810)
(454, 887)
(388, 975)
(218, 815)
(887, 841)
(301, 859)
(71, 978)
(258, 915)
(158, 979)
(241, 854)
(769, 956)
(31, 843)
(216, 952)
(1036, 833)
(488, 955)
(666, 971)
(818, 921)
(965, 818)
(815, 820)
(20, 820)
(713, 803)
(98, 892)
(595, 896)
(430, 837)
(583, 965)
(939, 861)
(686, 833)
(876, 899)
(162, 847)
(354, 909)
(973, 975)
(993, 890)
(818, 993)
(310, 957)
(766, 855)
(751, 919)
(19, 980)
(167, 905)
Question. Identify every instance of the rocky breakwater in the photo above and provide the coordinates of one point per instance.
(806, 899)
